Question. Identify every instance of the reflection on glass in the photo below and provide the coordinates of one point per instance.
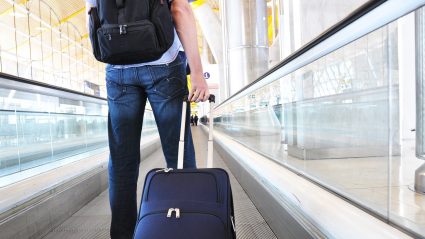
(34, 139)
(345, 121)
(9, 153)
(38, 129)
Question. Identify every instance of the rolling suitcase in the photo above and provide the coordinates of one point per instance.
(187, 203)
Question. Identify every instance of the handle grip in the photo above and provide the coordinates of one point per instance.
(211, 99)
(186, 102)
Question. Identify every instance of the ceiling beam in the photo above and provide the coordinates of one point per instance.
(63, 20)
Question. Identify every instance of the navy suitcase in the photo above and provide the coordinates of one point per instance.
(187, 203)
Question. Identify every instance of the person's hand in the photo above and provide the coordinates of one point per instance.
(199, 91)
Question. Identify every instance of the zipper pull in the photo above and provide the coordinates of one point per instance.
(171, 210)
(123, 29)
(166, 170)
(109, 37)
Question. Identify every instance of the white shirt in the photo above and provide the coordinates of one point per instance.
(168, 57)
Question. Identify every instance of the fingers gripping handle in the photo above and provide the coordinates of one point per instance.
(211, 99)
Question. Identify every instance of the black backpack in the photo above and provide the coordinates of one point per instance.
(130, 31)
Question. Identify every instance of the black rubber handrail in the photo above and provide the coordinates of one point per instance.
(37, 83)
(358, 13)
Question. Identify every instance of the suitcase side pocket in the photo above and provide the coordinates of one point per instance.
(182, 185)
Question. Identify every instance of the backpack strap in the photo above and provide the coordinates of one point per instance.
(120, 5)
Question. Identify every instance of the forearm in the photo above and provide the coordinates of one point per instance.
(184, 21)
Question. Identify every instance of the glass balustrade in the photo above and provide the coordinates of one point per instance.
(37, 129)
(346, 121)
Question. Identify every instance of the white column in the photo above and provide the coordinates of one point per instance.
(246, 41)
(211, 28)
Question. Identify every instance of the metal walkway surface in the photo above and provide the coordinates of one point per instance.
(92, 221)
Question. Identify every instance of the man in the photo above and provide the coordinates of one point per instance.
(195, 119)
(164, 83)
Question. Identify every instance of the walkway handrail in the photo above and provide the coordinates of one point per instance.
(17, 82)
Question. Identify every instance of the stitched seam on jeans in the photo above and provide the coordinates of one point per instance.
(152, 76)
(121, 77)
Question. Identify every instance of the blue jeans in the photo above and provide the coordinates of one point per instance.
(128, 89)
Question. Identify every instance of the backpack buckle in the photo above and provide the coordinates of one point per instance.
(123, 29)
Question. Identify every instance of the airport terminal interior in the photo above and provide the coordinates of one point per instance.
(319, 118)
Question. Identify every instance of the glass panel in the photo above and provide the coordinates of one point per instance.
(70, 136)
(95, 132)
(34, 139)
(346, 121)
(9, 153)
(407, 207)
(37, 129)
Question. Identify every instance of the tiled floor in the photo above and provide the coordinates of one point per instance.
(92, 221)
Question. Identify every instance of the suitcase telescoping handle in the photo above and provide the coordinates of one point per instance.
(211, 99)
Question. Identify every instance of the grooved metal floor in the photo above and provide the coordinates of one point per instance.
(92, 221)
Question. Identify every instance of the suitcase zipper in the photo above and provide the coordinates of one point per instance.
(170, 211)
(177, 210)
(165, 170)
